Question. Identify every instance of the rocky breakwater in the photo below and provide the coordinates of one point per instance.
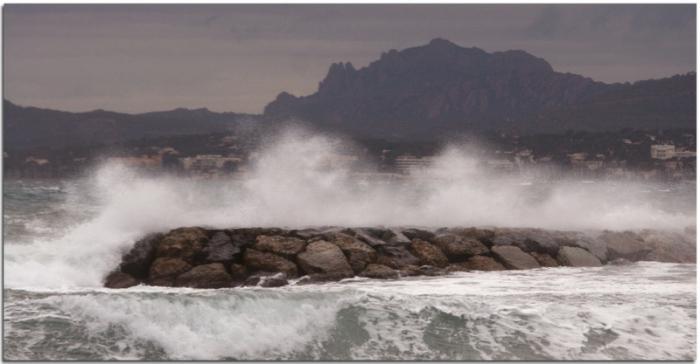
(269, 257)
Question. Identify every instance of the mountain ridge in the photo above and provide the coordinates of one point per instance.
(441, 86)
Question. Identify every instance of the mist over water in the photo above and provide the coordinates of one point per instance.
(292, 182)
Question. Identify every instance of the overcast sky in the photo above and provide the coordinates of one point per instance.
(137, 58)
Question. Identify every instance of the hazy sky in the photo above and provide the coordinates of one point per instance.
(136, 58)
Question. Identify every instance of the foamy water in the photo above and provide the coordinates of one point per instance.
(62, 237)
(641, 311)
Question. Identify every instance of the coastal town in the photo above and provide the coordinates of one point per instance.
(645, 155)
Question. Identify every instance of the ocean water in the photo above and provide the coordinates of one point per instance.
(62, 237)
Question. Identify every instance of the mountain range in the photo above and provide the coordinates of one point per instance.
(419, 93)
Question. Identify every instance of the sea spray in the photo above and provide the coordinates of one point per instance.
(291, 184)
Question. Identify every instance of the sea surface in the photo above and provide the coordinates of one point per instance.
(61, 237)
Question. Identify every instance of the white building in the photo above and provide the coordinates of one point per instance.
(663, 151)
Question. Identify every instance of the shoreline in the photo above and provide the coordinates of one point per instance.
(198, 257)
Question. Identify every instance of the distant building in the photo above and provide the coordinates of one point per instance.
(663, 151)
(406, 163)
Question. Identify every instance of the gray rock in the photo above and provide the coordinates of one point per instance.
(138, 260)
(396, 256)
(220, 248)
(324, 257)
(366, 236)
(625, 244)
(577, 257)
(513, 257)
(418, 234)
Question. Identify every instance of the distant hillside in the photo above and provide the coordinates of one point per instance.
(440, 88)
(31, 127)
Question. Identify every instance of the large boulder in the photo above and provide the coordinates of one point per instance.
(513, 257)
(396, 256)
(529, 240)
(626, 244)
(379, 271)
(545, 259)
(587, 241)
(428, 253)
(246, 237)
(164, 270)
(669, 247)
(359, 254)
(281, 245)
(220, 248)
(483, 235)
(478, 262)
(211, 275)
(457, 248)
(137, 261)
(324, 257)
(577, 257)
(395, 237)
(263, 261)
(366, 235)
(184, 243)
(118, 279)
(414, 233)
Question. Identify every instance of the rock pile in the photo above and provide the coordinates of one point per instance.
(217, 258)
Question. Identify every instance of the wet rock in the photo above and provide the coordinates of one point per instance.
(545, 259)
(513, 257)
(423, 270)
(307, 234)
(418, 234)
(428, 253)
(246, 237)
(263, 261)
(458, 248)
(164, 270)
(625, 244)
(238, 271)
(211, 275)
(120, 280)
(359, 254)
(597, 247)
(669, 247)
(184, 243)
(478, 262)
(366, 236)
(529, 240)
(322, 278)
(281, 245)
(324, 257)
(396, 256)
(137, 261)
(395, 237)
(277, 280)
(577, 257)
(483, 235)
(620, 261)
(220, 248)
(379, 271)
